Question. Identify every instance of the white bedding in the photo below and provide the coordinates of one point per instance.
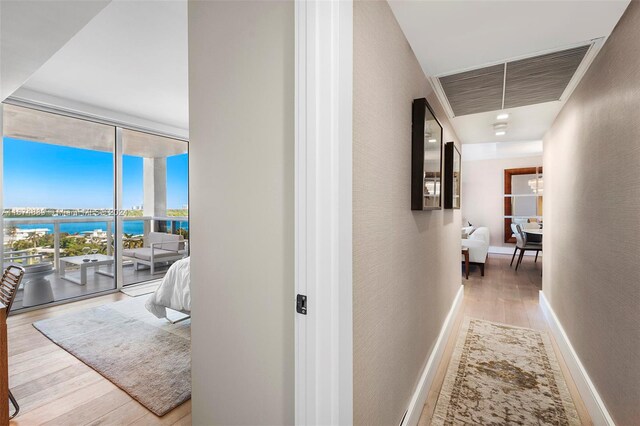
(174, 291)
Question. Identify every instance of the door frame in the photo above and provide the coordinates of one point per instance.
(323, 211)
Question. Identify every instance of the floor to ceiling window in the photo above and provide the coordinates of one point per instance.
(66, 205)
(155, 202)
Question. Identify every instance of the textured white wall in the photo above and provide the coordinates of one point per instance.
(406, 264)
(241, 83)
(592, 220)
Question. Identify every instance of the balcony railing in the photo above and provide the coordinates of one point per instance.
(106, 241)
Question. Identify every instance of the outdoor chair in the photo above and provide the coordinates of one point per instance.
(160, 248)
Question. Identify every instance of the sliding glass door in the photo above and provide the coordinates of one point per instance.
(155, 201)
(58, 218)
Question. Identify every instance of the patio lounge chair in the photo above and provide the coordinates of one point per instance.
(160, 248)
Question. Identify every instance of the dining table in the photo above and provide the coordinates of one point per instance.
(534, 235)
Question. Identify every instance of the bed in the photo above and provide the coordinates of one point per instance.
(174, 291)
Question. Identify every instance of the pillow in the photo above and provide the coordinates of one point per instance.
(467, 230)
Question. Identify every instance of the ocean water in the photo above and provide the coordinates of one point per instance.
(132, 227)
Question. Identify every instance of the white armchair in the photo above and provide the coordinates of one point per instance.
(478, 245)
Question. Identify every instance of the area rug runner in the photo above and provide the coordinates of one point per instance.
(503, 375)
(148, 358)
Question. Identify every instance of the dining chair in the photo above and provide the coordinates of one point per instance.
(523, 245)
(9, 284)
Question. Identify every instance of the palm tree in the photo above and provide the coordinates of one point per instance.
(12, 230)
(34, 239)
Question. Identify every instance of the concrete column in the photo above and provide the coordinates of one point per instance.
(155, 186)
(146, 230)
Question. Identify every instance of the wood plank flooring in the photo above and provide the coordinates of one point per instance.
(54, 388)
(506, 296)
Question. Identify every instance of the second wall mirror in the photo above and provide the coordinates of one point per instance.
(426, 157)
(452, 175)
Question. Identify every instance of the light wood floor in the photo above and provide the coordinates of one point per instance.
(506, 296)
(54, 388)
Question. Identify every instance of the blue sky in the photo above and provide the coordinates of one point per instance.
(44, 175)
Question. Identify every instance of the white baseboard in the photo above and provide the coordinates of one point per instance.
(428, 374)
(509, 251)
(595, 406)
(501, 250)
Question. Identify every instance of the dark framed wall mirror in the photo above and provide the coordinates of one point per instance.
(452, 176)
(426, 158)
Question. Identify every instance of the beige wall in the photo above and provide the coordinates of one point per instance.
(482, 193)
(241, 89)
(592, 220)
(406, 264)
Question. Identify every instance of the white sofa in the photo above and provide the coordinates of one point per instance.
(478, 244)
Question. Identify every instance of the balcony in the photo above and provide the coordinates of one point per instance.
(55, 240)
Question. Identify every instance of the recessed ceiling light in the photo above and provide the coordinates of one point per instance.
(503, 116)
(432, 140)
(500, 129)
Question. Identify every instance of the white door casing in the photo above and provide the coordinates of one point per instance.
(323, 216)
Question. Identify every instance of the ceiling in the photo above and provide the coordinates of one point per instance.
(130, 61)
(32, 31)
(496, 150)
(130, 64)
(525, 124)
(465, 35)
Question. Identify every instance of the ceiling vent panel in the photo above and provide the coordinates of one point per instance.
(474, 91)
(542, 78)
(529, 81)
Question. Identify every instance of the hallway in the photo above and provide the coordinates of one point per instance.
(507, 297)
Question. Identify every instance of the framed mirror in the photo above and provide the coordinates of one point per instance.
(452, 166)
(426, 158)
